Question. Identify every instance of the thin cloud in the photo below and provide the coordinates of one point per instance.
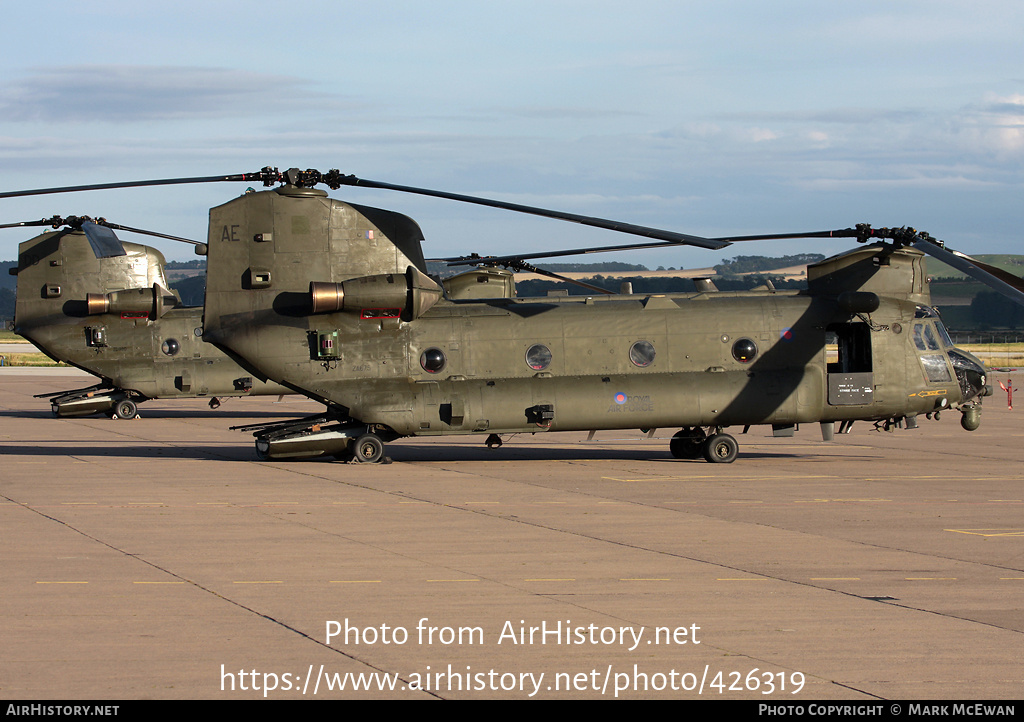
(131, 93)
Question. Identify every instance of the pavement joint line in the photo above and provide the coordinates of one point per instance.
(207, 590)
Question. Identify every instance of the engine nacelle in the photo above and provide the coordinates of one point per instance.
(149, 302)
(408, 295)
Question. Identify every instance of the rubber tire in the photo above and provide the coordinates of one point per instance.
(368, 449)
(687, 443)
(126, 409)
(720, 449)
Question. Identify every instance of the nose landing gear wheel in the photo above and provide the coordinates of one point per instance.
(126, 409)
(368, 449)
(720, 449)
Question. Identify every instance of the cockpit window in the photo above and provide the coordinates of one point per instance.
(924, 338)
(919, 336)
(943, 334)
(935, 368)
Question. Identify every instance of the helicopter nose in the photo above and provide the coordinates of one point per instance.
(970, 372)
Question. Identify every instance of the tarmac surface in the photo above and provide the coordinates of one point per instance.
(158, 559)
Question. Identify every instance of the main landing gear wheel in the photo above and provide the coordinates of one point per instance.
(126, 409)
(687, 443)
(721, 449)
(368, 449)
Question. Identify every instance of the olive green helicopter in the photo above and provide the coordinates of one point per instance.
(333, 300)
(89, 300)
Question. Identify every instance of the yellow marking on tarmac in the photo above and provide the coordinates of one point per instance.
(747, 502)
(257, 582)
(158, 582)
(646, 478)
(646, 579)
(552, 579)
(356, 581)
(741, 579)
(835, 579)
(78, 503)
(1009, 579)
(62, 582)
(482, 502)
(867, 499)
(146, 503)
(349, 503)
(552, 502)
(453, 580)
(1007, 500)
(989, 532)
(213, 503)
(412, 502)
(929, 579)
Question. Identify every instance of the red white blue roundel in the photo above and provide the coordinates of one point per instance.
(787, 334)
(620, 398)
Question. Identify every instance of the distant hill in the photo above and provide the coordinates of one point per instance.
(192, 289)
(6, 303)
(1008, 262)
(6, 279)
(764, 264)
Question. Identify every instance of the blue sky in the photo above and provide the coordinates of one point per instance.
(710, 118)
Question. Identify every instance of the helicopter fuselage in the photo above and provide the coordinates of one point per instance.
(288, 296)
(110, 317)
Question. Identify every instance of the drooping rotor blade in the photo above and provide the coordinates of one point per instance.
(105, 244)
(267, 176)
(56, 222)
(1005, 283)
(647, 232)
(528, 268)
(140, 231)
(99, 231)
(500, 260)
(840, 233)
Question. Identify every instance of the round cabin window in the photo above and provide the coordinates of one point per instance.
(642, 354)
(432, 360)
(538, 357)
(744, 350)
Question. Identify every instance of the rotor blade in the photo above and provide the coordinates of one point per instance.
(841, 233)
(44, 222)
(267, 176)
(527, 268)
(672, 236)
(119, 227)
(1006, 283)
(105, 244)
(471, 260)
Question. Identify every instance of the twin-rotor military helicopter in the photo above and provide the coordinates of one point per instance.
(91, 301)
(333, 300)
